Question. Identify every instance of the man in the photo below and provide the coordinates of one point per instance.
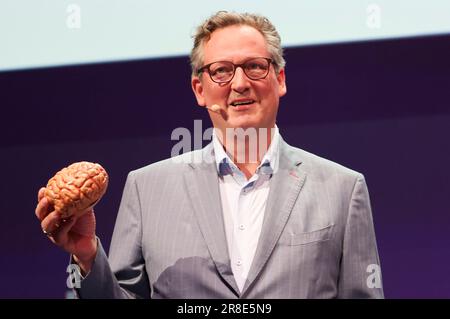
(285, 225)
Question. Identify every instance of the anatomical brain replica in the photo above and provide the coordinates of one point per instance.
(77, 188)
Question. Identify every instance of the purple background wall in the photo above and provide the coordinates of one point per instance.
(382, 108)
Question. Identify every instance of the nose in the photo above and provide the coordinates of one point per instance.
(240, 82)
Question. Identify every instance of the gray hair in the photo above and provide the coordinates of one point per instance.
(223, 19)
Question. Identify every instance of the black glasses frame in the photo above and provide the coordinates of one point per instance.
(235, 66)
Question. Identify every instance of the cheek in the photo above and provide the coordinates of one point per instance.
(270, 93)
(215, 92)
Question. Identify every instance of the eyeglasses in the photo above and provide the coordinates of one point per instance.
(223, 71)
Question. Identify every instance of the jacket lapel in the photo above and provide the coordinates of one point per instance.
(202, 185)
(285, 186)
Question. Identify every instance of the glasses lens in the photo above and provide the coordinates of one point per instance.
(221, 71)
(256, 68)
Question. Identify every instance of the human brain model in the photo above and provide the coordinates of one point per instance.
(77, 188)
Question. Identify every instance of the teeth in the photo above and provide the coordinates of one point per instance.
(241, 103)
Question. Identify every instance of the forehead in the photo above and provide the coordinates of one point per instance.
(234, 43)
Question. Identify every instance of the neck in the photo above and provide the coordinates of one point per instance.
(246, 147)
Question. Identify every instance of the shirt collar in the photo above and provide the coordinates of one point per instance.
(269, 162)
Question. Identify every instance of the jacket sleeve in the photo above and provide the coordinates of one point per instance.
(360, 273)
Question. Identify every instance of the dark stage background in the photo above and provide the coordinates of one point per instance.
(381, 108)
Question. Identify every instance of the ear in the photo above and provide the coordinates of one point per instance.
(281, 78)
(197, 87)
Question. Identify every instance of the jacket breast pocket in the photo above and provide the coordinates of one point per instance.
(295, 239)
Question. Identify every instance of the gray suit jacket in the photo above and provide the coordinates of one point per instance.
(317, 239)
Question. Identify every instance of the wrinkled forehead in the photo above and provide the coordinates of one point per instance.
(235, 43)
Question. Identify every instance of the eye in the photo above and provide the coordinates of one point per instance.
(254, 66)
(221, 68)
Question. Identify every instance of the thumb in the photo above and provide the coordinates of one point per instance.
(85, 224)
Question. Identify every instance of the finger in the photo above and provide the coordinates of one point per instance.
(42, 209)
(63, 230)
(51, 222)
(41, 193)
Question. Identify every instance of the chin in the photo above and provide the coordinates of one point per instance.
(244, 125)
(248, 123)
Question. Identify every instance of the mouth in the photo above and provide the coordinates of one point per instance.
(242, 104)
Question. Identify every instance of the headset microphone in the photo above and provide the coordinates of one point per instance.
(215, 108)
